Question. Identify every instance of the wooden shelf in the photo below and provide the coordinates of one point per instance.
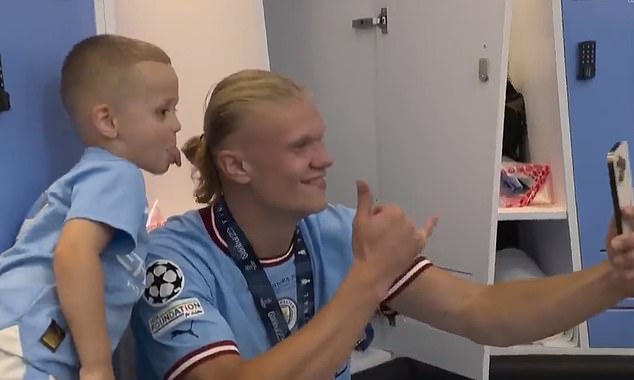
(554, 212)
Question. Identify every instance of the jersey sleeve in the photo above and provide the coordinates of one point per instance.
(176, 323)
(113, 193)
(420, 265)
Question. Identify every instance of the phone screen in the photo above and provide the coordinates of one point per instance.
(615, 197)
(620, 181)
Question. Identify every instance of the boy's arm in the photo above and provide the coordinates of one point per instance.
(80, 286)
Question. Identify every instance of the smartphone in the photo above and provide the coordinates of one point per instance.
(620, 183)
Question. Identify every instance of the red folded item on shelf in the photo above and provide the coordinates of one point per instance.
(524, 184)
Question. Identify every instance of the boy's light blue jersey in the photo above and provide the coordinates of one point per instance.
(197, 304)
(102, 188)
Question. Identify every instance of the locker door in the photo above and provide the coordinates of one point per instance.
(407, 111)
(37, 141)
(601, 113)
(439, 131)
(313, 42)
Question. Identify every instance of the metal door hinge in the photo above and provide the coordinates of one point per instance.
(370, 22)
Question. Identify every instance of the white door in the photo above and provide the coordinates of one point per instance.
(439, 129)
(313, 42)
(37, 140)
(407, 111)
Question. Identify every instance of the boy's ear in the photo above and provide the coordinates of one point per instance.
(103, 119)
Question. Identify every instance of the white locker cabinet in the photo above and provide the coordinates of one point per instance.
(419, 111)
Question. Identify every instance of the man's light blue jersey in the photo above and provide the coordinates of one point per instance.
(102, 188)
(197, 304)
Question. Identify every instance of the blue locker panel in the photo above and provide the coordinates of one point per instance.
(37, 142)
(612, 329)
(601, 112)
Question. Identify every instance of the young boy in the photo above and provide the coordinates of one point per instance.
(68, 284)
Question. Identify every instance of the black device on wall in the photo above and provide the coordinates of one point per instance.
(587, 56)
(5, 103)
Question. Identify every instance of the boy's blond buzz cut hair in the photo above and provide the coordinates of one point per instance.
(94, 68)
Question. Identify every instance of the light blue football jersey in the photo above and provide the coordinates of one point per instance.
(100, 187)
(197, 303)
(210, 310)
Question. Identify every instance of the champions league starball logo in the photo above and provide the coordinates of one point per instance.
(164, 281)
(289, 311)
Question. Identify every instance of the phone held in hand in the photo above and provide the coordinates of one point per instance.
(620, 183)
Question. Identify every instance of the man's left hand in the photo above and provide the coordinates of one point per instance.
(621, 251)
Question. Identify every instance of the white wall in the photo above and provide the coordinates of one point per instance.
(207, 40)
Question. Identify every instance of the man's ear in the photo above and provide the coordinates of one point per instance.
(103, 119)
(232, 165)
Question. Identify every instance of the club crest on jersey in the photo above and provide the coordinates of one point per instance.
(289, 311)
(174, 314)
(164, 281)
